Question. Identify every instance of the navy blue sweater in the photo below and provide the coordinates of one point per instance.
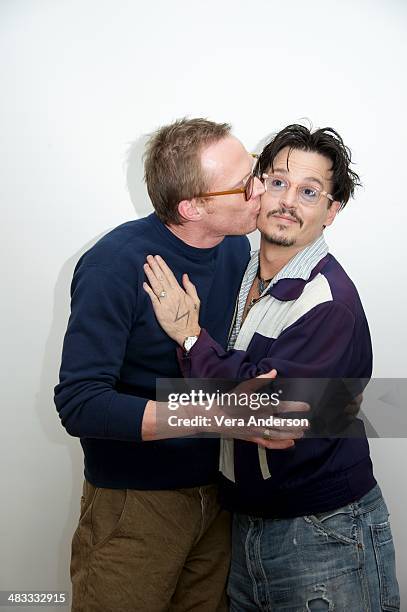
(114, 350)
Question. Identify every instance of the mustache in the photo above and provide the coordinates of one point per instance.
(280, 211)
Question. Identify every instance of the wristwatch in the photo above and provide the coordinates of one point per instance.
(189, 343)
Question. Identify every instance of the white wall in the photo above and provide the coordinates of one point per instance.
(80, 80)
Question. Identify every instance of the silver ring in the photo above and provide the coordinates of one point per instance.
(266, 434)
(162, 294)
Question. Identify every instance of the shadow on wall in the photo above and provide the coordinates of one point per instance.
(49, 419)
(135, 177)
(44, 405)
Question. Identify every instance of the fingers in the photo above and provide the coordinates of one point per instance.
(156, 268)
(190, 288)
(251, 385)
(281, 433)
(271, 374)
(165, 271)
(274, 434)
(153, 297)
(288, 406)
(155, 283)
(272, 444)
(276, 439)
(353, 408)
(161, 277)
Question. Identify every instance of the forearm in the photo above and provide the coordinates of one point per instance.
(156, 425)
(154, 428)
(207, 359)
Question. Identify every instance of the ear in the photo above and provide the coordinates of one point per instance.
(189, 210)
(331, 213)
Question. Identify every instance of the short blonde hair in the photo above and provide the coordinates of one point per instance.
(172, 164)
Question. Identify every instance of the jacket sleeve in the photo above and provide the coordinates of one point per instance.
(317, 345)
(102, 311)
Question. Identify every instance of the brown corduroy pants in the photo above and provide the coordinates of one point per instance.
(150, 551)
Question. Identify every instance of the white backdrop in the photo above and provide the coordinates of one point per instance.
(80, 81)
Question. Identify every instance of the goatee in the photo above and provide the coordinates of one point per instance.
(279, 240)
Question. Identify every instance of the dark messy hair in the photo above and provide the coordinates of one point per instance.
(325, 141)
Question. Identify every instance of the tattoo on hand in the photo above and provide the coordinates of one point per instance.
(178, 318)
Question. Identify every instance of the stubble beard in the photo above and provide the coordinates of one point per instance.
(279, 240)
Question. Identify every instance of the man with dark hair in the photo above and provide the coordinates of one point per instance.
(311, 528)
(151, 535)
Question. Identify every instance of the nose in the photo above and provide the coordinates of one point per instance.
(289, 198)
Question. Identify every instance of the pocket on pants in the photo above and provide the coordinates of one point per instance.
(339, 525)
(107, 513)
(386, 566)
(88, 493)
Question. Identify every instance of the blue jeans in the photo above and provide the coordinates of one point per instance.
(341, 560)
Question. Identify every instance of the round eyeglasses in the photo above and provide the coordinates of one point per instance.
(306, 194)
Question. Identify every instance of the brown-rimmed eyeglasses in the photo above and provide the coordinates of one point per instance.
(247, 188)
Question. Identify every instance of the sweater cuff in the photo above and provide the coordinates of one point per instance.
(125, 417)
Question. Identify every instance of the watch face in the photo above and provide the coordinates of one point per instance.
(189, 342)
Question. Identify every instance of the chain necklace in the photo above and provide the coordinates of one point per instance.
(262, 283)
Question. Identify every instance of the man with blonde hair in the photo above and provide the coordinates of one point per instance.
(151, 535)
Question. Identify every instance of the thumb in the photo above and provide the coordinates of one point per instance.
(271, 374)
(190, 288)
